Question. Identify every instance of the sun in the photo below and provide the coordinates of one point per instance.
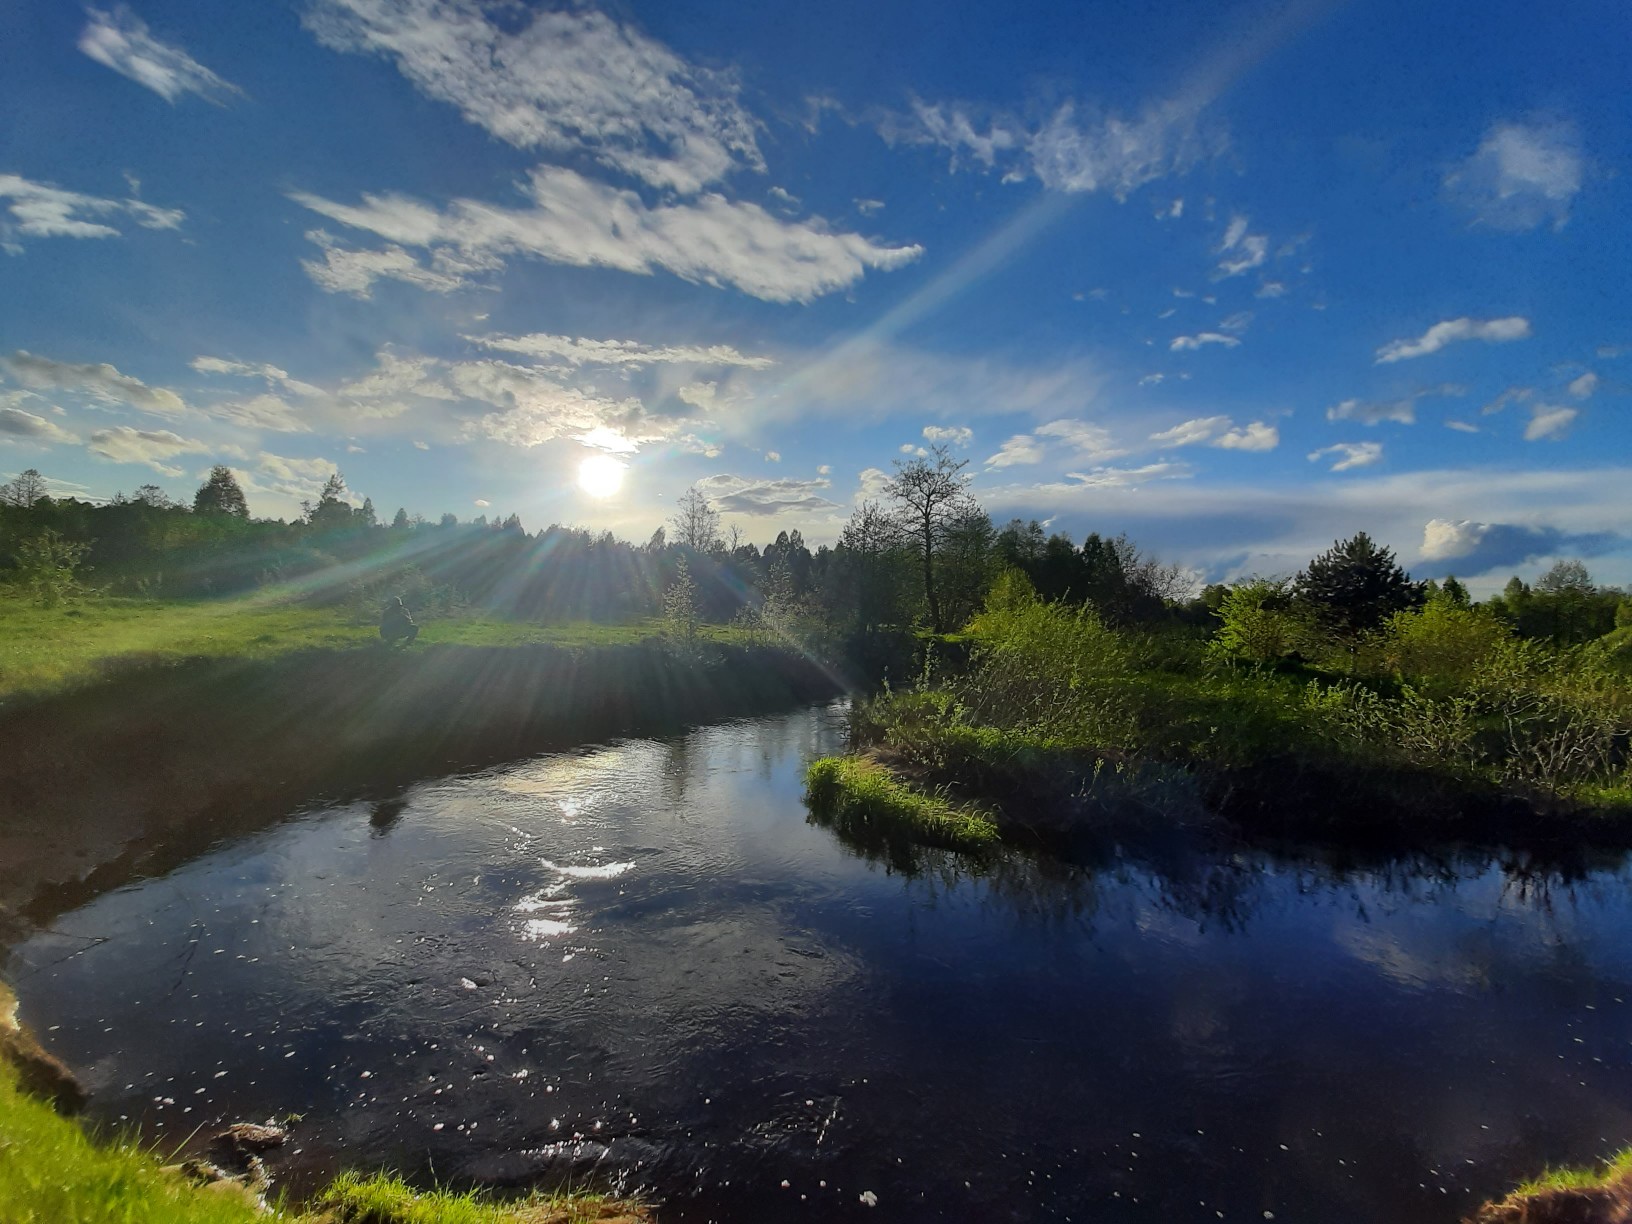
(600, 475)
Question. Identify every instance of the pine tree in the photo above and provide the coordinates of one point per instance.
(1354, 586)
(220, 494)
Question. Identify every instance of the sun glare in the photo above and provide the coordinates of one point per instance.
(600, 475)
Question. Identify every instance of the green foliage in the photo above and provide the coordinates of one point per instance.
(1443, 644)
(681, 616)
(221, 494)
(46, 566)
(868, 803)
(1047, 669)
(1259, 621)
(1354, 586)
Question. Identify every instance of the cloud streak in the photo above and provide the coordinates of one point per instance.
(40, 210)
(574, 221)
(562, 81)
(1453, 331)
(120, 40)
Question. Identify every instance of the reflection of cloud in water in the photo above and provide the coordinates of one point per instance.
(607, 871)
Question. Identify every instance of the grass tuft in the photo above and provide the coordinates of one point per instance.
(862, 798)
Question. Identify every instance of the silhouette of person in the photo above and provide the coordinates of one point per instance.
(396, 625)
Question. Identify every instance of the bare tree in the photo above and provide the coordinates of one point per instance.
(27, 488)
(696, 523)
(930, 497)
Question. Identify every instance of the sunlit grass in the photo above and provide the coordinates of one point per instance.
(46, 649)
(1617, 1168)
(865, 798)
(383, 1199)
(52, 1172)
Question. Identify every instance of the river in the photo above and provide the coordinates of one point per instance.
(639, 964)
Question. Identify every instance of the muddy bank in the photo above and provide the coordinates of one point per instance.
(139, 773)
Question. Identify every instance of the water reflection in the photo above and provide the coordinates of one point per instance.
(640, 963)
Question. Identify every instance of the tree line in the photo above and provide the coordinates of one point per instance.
(924, 555)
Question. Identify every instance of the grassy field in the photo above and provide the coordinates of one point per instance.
(51, 1172)
(43, 650)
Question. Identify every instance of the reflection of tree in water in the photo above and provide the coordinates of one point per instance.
(1211, 878)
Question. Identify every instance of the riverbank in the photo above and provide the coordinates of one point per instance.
(1175, 751)
(1602, 1195)
(136, 773)
(52, 1172)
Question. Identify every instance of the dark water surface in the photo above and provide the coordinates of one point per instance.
(639, 964)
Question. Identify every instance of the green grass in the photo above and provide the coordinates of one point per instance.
(383, 1199)
(52, 1172)
(47, 649)
(863, 798)
(1617, 1168)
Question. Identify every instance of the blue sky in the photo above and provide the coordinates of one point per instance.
(1235, 279)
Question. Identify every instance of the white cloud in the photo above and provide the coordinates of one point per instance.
(1022, 448)
(1350, 454)
(1080, 439)
(579, 351)
(1257, 436)
(481, 503)
(1492, 331)
(578, 222)
(740, 495)
(1271, 289)
(271, 374)
(39, 210)
(1583, 387)
(562, 81)
(868, 207)
(261, 412)
(534, 409)
(98, 380)
(122, 41)
(16, 422)
(1073, 150)
(123, 444)
(1522, 175)
(1549, 421)
(350, 270)
(954, 435)
(1183, 344)
(1236, 323)
(693, 445)
(1192, 432)
(1220, 431)
(773, 456)
(1404, 411)
(1443, 539)
(1513, 395)
(1462, 426)
(1241, 251)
